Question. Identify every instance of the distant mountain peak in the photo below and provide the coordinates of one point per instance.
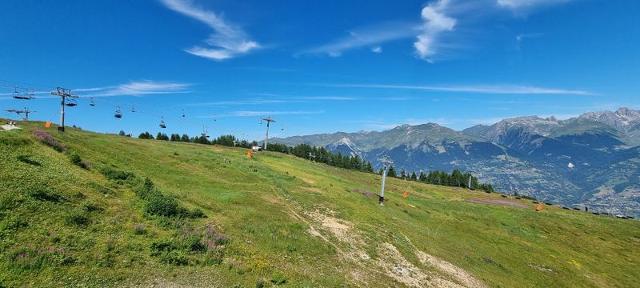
(622, 118)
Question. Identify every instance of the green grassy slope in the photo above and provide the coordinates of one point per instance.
(277, 220)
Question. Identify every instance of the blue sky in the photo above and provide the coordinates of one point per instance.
(318, 66)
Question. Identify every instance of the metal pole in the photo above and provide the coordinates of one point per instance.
(266, 139)
(384, 177)
(61, 128)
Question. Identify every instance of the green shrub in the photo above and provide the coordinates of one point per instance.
(44, 194)
(92, 207)
(197, 213)
(175, 257)
(114, 174)
(26, 159)
(194, 244)
(159, 247)
(147, 190)
(76, 160)
(15, 141)
(278, 278)
(139, 229)
(214, 257)
(160, 205)
(77, 219)
(13, 224)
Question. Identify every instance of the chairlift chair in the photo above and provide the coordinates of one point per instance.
(162, 124)
(71, 103)
(26, 96)
(92, 103)
(204, 132)
(118, 113)
(133, 109)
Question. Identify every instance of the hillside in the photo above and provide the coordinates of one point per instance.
(106, 210)
(589, 160)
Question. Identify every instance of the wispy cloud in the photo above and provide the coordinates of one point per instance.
(226, 41)
(252, 113)
(520, 38)
(267, 69)
(520, 5)
(366, 37)
(136, 88)
(443, 28)
(435, 22)
(281, 99)
(239, 102)
(478, 89)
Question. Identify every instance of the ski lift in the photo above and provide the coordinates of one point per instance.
(183, 115)
(133, 109)
(162, 124)
(92, 103)
(26, 96)
(71, 103)
(118, 113)
(204, 132)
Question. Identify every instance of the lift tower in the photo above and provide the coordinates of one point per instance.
(26, 112)
(386, 164)
(266, 138)
(64, 94)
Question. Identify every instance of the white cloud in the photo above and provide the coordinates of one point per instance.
(369, 36)
(136, 88)
(226, 41)
(527, 4)
(435, 22)
(477, 89)
(281, 100)
(520, 38)
(376, 49)
(251, 113)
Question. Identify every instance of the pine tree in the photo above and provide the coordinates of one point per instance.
(145, 135)
(392, 172)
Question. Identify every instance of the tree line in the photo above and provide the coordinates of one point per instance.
(305, 151)
(321, 155)
(456, 179)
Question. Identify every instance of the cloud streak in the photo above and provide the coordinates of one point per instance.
(365, 37)
(478, 89)
(253, 113)
(226, 41)
(282, 99)
(135, 88)
(435, 22)
(519, 5)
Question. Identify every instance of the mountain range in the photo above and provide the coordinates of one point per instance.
(592, 160)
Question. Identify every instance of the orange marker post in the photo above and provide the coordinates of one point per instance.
(250, 154)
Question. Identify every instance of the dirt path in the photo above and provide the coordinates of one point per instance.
(350, 247)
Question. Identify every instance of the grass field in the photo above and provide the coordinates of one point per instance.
(275, 220)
